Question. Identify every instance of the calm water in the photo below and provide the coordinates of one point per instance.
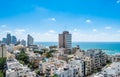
(108, 47)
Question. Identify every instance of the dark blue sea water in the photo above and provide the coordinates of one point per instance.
(108, 47)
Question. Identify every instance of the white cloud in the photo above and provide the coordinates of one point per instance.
(42, 37)
(108, 27)
(20, 31)
(3, 26)
(75, 29)
(7, 31)
(52, 19)
(88, 21)
(118, 1)
(51, 31)
(94, 30)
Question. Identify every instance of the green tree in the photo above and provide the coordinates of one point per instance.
(54, 75)
(37, 72)
(51, 47)
(23, 57)
(2, 62)
(49, 54)
(1, 73)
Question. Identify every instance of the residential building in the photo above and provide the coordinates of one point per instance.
(34, 58)
(65, 72)
(10, 48)
(79, 64)
(54, 66)
(78, 52)
(116, 57)
(51, 66)
(15, 69)
(98, 57)
(88, 65)
(111, 71)
(3, 50)
(30, 40)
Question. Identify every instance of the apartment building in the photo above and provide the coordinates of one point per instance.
(79, 64)
(98, 57)
(49, 66)
(115, 57)
(88, 65)
(15, 69)
(111, 71)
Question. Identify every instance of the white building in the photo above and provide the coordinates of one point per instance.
(111, 71)
(58, 67)
(15, 69)
(79, 65)
(65, 72)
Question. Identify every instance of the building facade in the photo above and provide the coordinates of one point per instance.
(14, 40)
(98, 58)
(4, 40)
(8, 39)
(15, 69)
(30, 40)
(65, 40)
(113, 70)
(3, 50)
(23, 42)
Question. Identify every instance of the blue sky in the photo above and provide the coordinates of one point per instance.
(87, 20)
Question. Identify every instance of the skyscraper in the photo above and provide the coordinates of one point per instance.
(30, 40)
(23, 42)
(65, 40)
(8, 38)
(4, 40)
(14, 40)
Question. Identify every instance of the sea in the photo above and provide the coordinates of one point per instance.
(109, 48)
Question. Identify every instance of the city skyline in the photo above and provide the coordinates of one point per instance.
(44, 20)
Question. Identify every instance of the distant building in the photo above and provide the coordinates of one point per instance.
(0, 41)
(8, 38)
(30, 40)
(65, 40)
(23, 42)
(4, 40)
(14, 40)
(3, 50)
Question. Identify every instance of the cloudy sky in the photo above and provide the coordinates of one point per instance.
(86, 20)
